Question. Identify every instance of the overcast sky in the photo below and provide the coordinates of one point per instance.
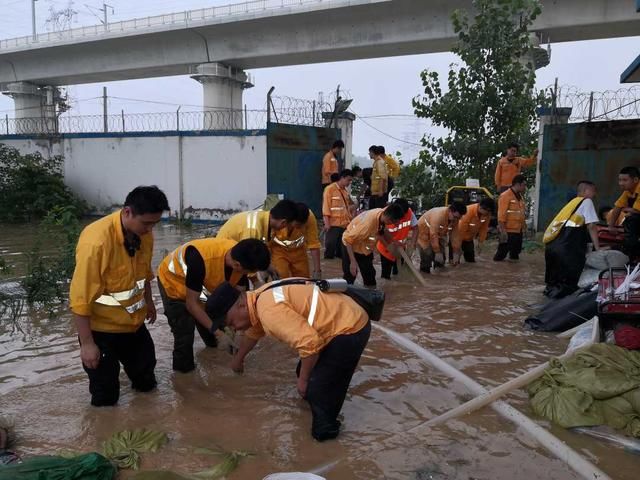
(379, 87)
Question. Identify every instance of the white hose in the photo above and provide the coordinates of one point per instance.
(558, 448)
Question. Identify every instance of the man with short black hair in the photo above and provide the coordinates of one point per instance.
(188, 275)
(110, 296)
(511, 165)
(629, 205)
(337, 211)
(434, 228)
(474, 225)
(511, 220)
(330, 162)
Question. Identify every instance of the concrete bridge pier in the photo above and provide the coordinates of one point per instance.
(36, 107)
(222, 87)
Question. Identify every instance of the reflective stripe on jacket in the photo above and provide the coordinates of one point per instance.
(302, 316)
(172, 271)
(399, 232)
(511, 211)
(567, 217)
(473, 225)
(253, 224)
(291, 238)
(434, 226)
(361, 233)
(107, 284)
(336, 203)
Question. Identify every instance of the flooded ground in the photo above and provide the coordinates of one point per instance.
(471, 316)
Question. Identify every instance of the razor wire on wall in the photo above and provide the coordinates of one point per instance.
(623, 103)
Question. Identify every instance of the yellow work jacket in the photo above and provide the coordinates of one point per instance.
(107, 284)
(172, 272)
(254, 224)
(567, 217)
(361, 233)
(305, 237)
(302, 316)
(393, 167)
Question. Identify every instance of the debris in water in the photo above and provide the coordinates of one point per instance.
(124, 448)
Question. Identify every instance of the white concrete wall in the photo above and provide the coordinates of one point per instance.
(221, 174)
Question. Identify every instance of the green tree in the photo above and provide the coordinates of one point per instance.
(490, 98)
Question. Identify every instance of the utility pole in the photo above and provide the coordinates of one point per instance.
(104, 12)
(104, 109)
(33, 19)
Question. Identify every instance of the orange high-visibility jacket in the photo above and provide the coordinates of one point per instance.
(506, 170)
(172, 271)
(511, 211)
(399, 232)
(329, 166)
(361, 233)
(434, 226)
(302, 316)
(107, 284)
(253, 224)
(473, 225)
(305, 237)
(336, 204)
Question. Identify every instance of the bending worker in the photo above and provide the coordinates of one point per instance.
(566, 242)
(328, 330)
(360, 238)
(629, 205)
(474, 225)
(290, 244)
(399, 233)
(330, 162)
(110, 296)
(511, 220)
(511, 165)
(188, 275)
(337, 211)
(434, 228)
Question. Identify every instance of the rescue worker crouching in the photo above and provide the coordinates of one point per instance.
(289, 246)
(328, 330)
(110, 296)
(511, 220)
(566, 242)
(474, 225)
(189, 273)
(434, 228)
(400, 233)
(629, 205)
(337, 211)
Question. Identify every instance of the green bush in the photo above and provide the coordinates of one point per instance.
(31, 186)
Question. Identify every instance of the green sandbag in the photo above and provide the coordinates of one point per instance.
(90, 466)
(124, 448)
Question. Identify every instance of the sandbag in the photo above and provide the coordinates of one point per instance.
(90, 466)
(605, 259)
(588, 278)
(565, 313)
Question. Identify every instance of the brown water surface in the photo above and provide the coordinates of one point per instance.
(471, 316)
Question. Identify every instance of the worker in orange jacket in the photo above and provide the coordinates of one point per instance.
(188, 275)
(434, 228)
(330, 163)
(338, 210)
(289, 246)
(511, 220)
(404, 234)
(474, 225)
(110, 296)
(329, 331)
(511, 165)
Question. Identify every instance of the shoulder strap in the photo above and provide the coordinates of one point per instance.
(284, 283)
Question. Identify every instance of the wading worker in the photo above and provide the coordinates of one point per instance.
(290, 245)
(566, 241)
(629, 205)
(360, 238)
(328, 330)
(188, 275)
(511, 220)
(434, 228)
(511, 165)
(330, 162)
(260, 224)
(110, 296)
(399, 232)
(474, 225)
(337, 211)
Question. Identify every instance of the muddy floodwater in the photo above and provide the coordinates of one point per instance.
(471, 316)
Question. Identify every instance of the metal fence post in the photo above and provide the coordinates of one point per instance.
(246, 118)
(269, 104)
(590, 107)
(313, 118)
(6, 119)
(178, 118)
(123, 129)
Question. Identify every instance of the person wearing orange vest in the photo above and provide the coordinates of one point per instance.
(474, 225)
(360, 238)
(289, 246)
(330, 163)
(110, 296)
(337, 211)
(329, 331)
(188, 275)
(511, 165)
(566, 240)
(434, 227)
(511, 220)
(629, 205)
(399, 232)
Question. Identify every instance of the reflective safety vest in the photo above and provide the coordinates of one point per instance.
(567, 217)
(253, 224)
(511, 211)
(305, 236)
(399, 232)
(172, 272)
(131, 300)
(335, 205)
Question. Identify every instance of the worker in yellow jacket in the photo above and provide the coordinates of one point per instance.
(379, 178)
(188, 275)
(329, 331)
(110, 296)
(289, 246)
